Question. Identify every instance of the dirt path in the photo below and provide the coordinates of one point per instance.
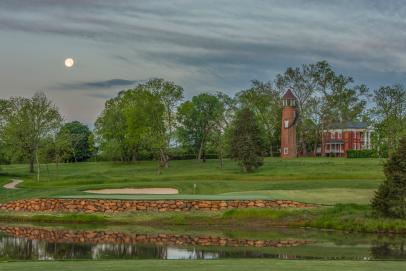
(136, 191)
(13, 184)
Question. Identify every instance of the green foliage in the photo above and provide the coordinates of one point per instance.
(265, 102)
(198, 120)
(139, 120)
(78, 139)
(361, 154)
(323, 97)
(246, 141)
(390, 199)
(390, 114)
(26, 123)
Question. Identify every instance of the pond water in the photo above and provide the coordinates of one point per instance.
(47, 243)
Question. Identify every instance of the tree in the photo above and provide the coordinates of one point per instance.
(77, 137)
(302, 81)
(324, 97)
(27, 123)
(390, 199)
(265, 102)
(246, 142)
(390, 117)
(228, 108)
(144, 113)
(170, 96)
(111, 131)
(140, 119)
(197, 121)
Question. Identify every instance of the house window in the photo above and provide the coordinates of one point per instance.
(285, 151)
(339, 135)
(333, 135)
(286, 122)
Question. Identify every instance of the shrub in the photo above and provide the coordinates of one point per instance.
(361, 154)
(390, 199)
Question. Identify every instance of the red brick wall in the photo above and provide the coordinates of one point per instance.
(288, 136)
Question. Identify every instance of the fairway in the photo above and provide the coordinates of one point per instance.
(312, 180)
(214, 265)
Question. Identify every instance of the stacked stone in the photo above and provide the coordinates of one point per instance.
(102, 237)
(116, 206)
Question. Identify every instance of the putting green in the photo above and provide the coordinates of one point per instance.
(327, 196)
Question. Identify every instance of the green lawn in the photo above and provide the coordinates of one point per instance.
(220, 265)
(315, 180)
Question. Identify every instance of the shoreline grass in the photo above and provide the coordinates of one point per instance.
(342, 217)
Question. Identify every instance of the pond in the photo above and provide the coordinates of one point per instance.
(48, 243)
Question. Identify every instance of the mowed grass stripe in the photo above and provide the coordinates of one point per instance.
(214, 265)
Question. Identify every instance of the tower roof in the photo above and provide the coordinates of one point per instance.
(289, 95)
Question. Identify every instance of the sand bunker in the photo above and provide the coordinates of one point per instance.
(13, 184)
(136, 191)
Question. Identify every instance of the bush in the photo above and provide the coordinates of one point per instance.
(361, 154)
(390, 199)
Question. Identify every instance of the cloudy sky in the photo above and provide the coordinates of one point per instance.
(203, 45)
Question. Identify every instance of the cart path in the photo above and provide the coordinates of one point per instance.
(13, 184)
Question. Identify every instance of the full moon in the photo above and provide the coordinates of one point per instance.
(69, 62)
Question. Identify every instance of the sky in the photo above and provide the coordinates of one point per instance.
(202, 45)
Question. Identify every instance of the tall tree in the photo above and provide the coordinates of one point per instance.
(78, 137)
(144, 113)
(302, 81)
(170, 96)
(197, 121)
(265, 102)
(390, 117)
(124, 127)
(111, 129)
(246, 142)
(227, 111)
(324, 97)
(27, 123)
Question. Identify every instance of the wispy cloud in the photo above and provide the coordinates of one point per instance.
(203, 45)
(98, 84)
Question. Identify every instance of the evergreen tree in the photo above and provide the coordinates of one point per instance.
(246, 143)
(390, 199)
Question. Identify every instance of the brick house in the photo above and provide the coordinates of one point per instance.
(341, 137)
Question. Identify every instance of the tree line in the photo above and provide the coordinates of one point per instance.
(153, 120)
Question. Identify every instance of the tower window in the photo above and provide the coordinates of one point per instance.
(285, 150)
(286, 122)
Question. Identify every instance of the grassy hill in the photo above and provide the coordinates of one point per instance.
(315, 180)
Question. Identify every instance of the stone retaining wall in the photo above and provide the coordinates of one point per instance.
(115, 206)
(103, 237)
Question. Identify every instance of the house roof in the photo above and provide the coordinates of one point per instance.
(349, 125)
(289, 95)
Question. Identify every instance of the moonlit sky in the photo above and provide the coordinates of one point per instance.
(204, 45)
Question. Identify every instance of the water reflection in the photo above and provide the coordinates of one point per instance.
(38, 243)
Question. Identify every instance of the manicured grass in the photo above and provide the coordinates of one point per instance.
(328, 196)
(310, 174)
(220, 265)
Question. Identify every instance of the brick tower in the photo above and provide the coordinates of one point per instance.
(288, 133)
